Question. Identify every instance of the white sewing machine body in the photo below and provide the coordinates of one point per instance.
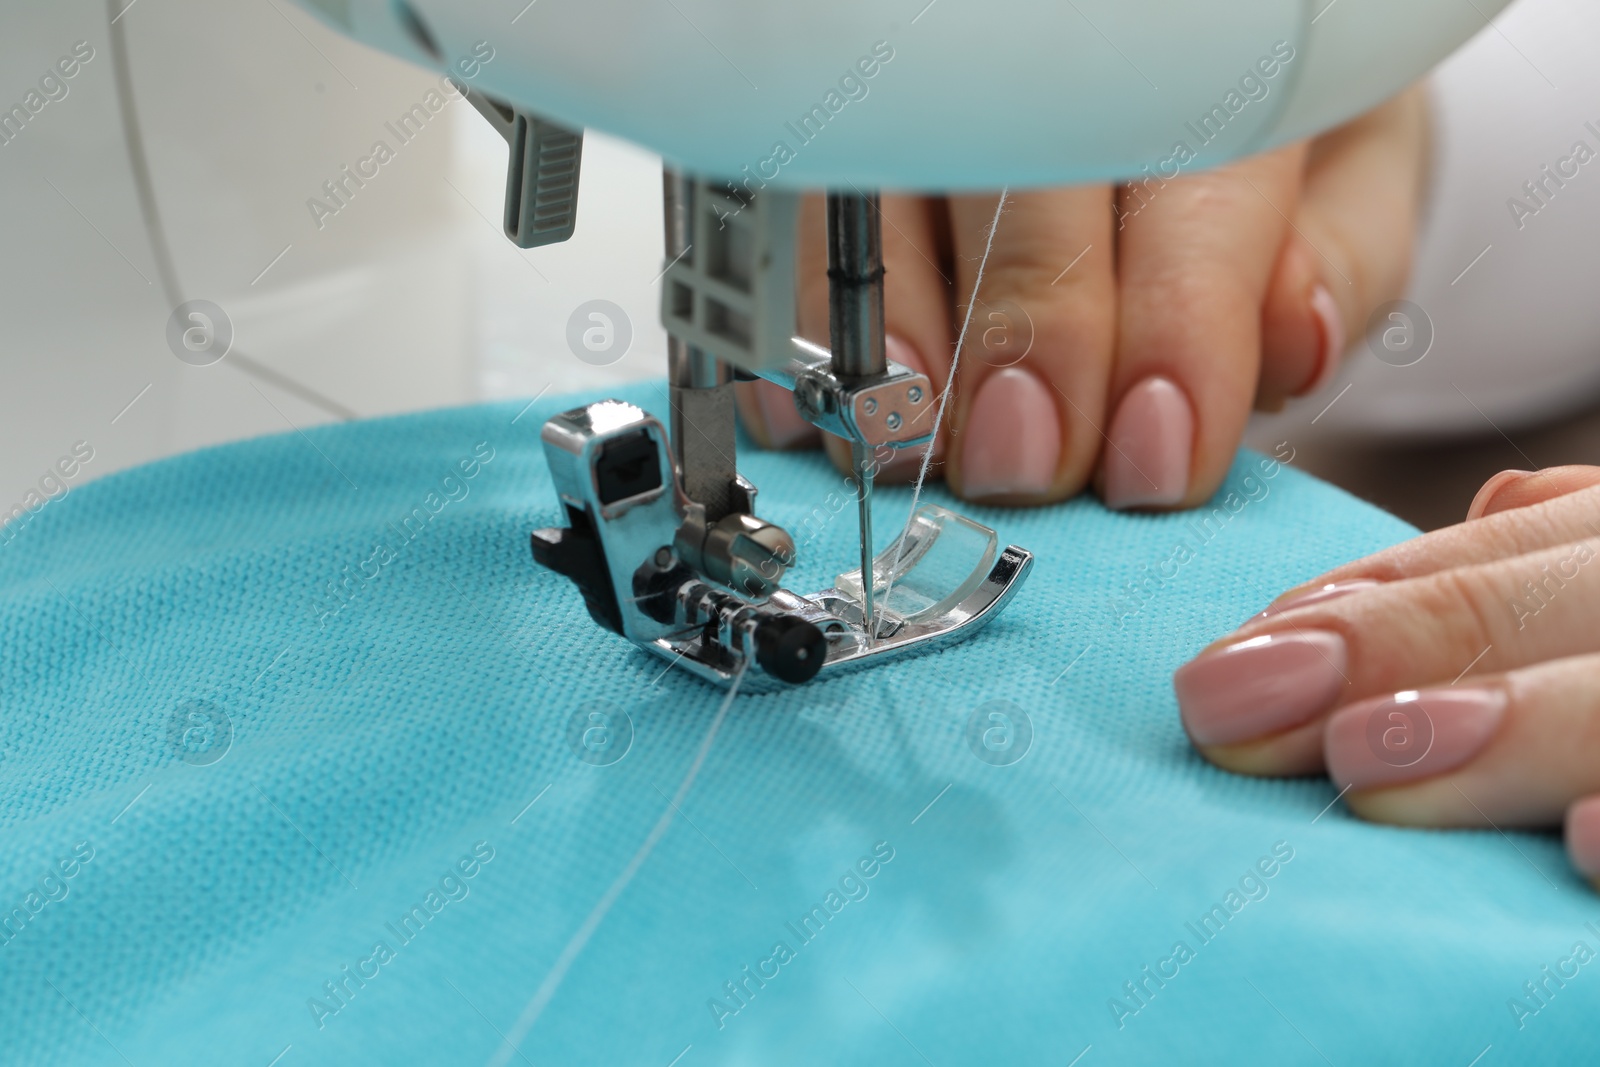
(936, 95)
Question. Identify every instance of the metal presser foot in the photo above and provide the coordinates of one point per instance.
(653, 568)
(662, 538)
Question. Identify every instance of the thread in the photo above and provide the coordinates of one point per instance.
(580, 940)
(944, 398)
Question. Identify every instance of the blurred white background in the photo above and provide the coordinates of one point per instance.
(408, 298)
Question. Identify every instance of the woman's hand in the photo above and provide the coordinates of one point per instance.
(1453, 680)
(1123, 335)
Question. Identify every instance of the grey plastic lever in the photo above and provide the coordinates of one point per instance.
(541, 173)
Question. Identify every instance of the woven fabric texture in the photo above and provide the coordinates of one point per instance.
(302, 756)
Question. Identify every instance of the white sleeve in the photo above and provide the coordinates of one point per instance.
(1508, 268)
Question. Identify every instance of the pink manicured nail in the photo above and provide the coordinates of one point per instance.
(1259, 687)
(1321, 594)
(907, 461)
(1331, 325)
(785, 427)
(1583, 836)
(1491, 489)
(1408, 736)
(1012, 441)
(1151, 440)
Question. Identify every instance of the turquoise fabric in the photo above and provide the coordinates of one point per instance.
(264, 779)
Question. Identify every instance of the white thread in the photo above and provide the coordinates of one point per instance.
(944, 398)
(569, 955)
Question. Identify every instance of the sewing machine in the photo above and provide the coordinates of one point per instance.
(661, 536)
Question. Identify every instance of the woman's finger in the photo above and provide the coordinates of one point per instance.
(1350, 247)
(1504, 750)
(1279, 675)
(1193, 267)
(1031, 385)
(1568, 517)
(1302, 328)
(1519, 489)
(1583, 837)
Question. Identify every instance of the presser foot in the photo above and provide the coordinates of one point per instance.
(909, 618)
(708, 596)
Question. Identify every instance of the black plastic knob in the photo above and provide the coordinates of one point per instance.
(790, 649)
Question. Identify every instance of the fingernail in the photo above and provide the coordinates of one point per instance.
(1583, 836)
(1259, 687)
(1304, 598)
(1012, 441)
(1408, 736)
(785, 426)
(1151, 439)
(1491, 489)
(1331, 325)
(907, 461)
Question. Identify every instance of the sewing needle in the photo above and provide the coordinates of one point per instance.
(861, 456)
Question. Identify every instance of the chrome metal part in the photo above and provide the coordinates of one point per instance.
(708, 595)
(894, 408)
(703, 423)
(837, 612)
(855, 326)
(855, 284)
(738, 551)
(862, 464)
(729, 287)
(660, 535)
